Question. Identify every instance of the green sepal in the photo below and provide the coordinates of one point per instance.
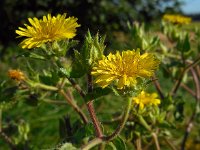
(60, 48)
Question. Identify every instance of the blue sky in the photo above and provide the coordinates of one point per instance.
(191, 6)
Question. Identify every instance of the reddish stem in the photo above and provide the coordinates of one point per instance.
(95, 121)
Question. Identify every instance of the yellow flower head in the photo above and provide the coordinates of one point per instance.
(47, 29)
(146, 99)
(124, 68)
(16, 75)
(177, 19)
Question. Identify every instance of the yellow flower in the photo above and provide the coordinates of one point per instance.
(16, 75)
(124, 68)
(47, 29)
(146, 99)
(177, 19)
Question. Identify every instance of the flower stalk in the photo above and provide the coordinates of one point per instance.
(122, 124)
(75, 106)
(91, 110)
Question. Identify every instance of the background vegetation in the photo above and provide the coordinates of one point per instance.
(41, 121)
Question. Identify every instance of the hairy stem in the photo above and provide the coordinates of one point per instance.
(77, 87)
(91, 110)
(190, 122)
(188, 89)
(75, 106)
(155, 138)
(56, 102)
(8, 140)
(122, 124)
(92, 143)
(42, 86)
(177, 84)
(170, 144)
(138, 143)
(94, 119)
(158, 87)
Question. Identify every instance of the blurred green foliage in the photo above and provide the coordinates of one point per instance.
(40, 119)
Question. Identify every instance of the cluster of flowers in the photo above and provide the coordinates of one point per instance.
(177, 19)
(120, 69)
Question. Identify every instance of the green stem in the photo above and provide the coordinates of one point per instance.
(155, 138)
(144, 123)
(56, 102)
(92, 143)
(100, 140)
(42, 86)
(122, 124)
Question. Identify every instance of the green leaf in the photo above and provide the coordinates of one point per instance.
(63, 72)
(32, 55)
(79, 67)
(81, 132)
(8, 93)
(32, 100)
(92, 49)
(65, 128)
(49, 79)
(186, 44)
(179, 111)
(119, 143)
(67, 146)
(110, 146)
(166, 125)
(97, 92)
(183, 44)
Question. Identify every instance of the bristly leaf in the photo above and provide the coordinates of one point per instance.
(183, 43)
(93, 48)
(79, 68)
(90, 53)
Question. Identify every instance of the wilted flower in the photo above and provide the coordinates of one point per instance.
(47, 29)
(124, 68)
(146, 99)
(16, 75)
(177, 19)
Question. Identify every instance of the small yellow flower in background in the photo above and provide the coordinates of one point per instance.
(177, 19)
(47, 29)
(144, 99)
(124, 68)
(16, 75)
